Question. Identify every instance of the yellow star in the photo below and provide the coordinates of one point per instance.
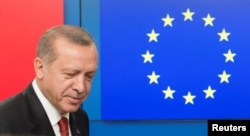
(188, 15)
(153, 36)
(147, 57)
(208, 20)
(224, 77)
(209, 92)
(167, 20)
(229, 56)
(168, 93)
(224, 35)
(189, 98)
(153, 78)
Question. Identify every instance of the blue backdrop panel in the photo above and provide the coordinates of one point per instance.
(174, 59)
(72, 12)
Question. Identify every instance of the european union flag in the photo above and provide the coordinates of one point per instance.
(175, 59)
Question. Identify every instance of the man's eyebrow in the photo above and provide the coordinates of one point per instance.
(70, 70)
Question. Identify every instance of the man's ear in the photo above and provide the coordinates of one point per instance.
(39, 67)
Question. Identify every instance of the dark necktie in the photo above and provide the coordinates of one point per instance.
(63, 126)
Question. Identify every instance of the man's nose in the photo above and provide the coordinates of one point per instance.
(79, 85)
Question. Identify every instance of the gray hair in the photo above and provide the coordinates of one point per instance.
(74, 34)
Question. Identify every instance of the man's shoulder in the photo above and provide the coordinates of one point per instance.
(11, 104)
(17, 103)
(11, 112)
(15, 107)
(22, 113)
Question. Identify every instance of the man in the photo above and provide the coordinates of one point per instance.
(65, 65)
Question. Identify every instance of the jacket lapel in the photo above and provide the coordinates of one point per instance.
(37, 116)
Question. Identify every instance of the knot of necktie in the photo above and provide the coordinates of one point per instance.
(63, 126)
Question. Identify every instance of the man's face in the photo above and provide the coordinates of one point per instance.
(67, 80)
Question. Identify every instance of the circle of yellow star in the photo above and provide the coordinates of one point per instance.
(208, 20)
(147, 57)
(229, 56)
(153, 78)
(209, 92)
(168, 93)
(167, 20)
(153, 36)
(224, 35)
(188, 15)
(224, 77)
(189, 98)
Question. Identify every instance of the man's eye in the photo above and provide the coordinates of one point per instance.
(70, 75)
(89, 77)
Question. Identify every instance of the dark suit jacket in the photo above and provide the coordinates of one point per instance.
(23, 114)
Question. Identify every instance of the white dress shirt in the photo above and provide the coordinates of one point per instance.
(52, 113)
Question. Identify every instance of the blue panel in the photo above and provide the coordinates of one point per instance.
(72, 12)
(91, 21)
(151, 128)
(203, 66)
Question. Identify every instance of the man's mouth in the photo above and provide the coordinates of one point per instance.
(75, 100)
